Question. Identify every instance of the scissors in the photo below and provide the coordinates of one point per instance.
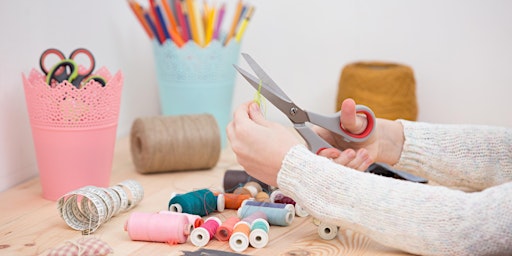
(299, 117)
(68, 69)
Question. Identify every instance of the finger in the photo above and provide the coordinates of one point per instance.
(348, 115)
(350, 120)
(256, 115)
(345, 157)
(361, 161)
(331, 153)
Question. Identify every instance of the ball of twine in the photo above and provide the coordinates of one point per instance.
(171, 143)
(389, 89)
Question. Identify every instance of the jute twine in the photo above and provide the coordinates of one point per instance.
(389, 89)
(171, 143)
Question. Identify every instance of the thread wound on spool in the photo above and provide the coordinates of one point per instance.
(199, 202)
(258, 238)
(171, 143)
(226, 229)
(389, 89)
(275, 216)
(155, 227)
(239, 240)
(202, 235)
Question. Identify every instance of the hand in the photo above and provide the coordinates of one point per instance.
(384, 145)
(260, 145)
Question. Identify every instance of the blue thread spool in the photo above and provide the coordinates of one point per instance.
(275, 216)
(289, 207)
(199, 202)
(259, 233)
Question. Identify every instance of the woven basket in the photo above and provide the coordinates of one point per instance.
(389, 89)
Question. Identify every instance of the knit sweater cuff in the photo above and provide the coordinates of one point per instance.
(413, 158)
(288, 177)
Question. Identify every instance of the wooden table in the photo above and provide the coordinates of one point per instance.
(31, 225)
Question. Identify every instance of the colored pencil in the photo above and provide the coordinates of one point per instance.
(181, 11)
(158, 26)
(137, 10)
(244, 23)
(235, 22)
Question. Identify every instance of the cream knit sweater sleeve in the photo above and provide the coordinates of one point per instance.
(418, 218)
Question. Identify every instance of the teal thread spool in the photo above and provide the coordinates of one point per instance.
(199, 202)
(258, 237)
(275, 216)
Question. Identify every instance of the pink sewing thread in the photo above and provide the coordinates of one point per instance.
(154, 227)
(202, 235)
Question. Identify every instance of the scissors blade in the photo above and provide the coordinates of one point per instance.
(264, 77)
(294, 113)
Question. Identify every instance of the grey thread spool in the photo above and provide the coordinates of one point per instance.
(172, 143)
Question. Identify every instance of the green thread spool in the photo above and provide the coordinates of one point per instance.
(258, 237)
(199, 202)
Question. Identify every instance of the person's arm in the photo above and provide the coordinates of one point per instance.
(417, 218)
(471, 156)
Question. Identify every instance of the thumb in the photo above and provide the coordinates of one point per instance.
(255, 113)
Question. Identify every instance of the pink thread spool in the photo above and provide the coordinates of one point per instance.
(202, 235)
(195, 220)
(226, 229)
(154, 227)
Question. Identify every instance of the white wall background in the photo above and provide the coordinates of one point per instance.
(460, 51)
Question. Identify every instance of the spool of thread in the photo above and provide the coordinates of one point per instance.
(234, 201)
(327, 231)
(234, 179)
(258, 238)
(193, 219)
(199, 202)
(242, 191)
(239, 240)
(154, 227)
(275, 216)
(170, 143)
(202, 235)
(253, 187)
(226, 229)
(389, 89)
(278, 197)
(262, 197)
(288, 207)
(254, 216)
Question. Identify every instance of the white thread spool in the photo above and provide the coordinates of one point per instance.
(327, 231)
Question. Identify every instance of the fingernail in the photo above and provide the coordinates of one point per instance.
(255, 107)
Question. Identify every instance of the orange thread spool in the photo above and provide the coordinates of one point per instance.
(239, 240)
(234, 201)
(226, 229)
